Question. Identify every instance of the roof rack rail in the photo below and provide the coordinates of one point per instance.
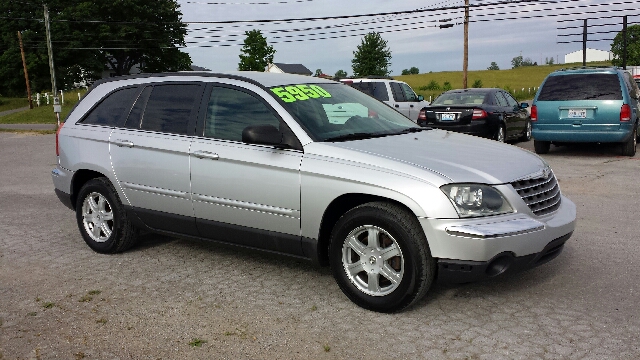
(590, 67)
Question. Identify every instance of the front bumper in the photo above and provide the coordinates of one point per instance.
(471, 249)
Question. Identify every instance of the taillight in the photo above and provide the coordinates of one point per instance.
(422, 115)
(57, 135)
(534, 113)
(478, 114)
(625, 113)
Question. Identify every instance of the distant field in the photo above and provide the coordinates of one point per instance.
(527, 77)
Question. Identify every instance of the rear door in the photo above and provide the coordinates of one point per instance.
(515, 117)
(402, 100)
(150, 155)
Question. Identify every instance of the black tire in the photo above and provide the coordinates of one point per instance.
(401, 252)
(526, 135)
(101, 218)
(500, 135)
(541, 147)
(628, 148)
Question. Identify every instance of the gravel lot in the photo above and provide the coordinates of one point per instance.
(59, 299)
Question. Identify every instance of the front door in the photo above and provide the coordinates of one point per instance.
(244, 193)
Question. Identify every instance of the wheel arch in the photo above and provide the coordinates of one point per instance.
(80, 178)
(338, 207)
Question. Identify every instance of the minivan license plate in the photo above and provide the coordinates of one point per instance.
(447, 116)
(577, 113)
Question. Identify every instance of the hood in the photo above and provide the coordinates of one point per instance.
(439, 156)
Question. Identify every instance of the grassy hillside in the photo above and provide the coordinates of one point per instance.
(12, 103)
(526, 77)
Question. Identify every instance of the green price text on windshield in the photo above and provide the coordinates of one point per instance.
(300, 92)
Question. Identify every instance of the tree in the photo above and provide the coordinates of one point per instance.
(372, 56)
(341, 74)
(318, 72)
(256, 53)
(477, 84)
(493, 66)
(633, 47)
(516, 61)
(413, 71)
(549, 61)
(88, 37)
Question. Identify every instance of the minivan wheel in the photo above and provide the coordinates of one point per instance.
(101, 218)
(380, 258)
(541, 147)
(628, 148)
(499, 135)
(526, 136)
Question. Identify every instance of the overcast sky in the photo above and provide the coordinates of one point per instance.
(498, 32)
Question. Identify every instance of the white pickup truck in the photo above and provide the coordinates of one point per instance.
(397, 94)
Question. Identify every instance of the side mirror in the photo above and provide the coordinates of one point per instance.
(262, 135)
(524, 105)
(420, 98)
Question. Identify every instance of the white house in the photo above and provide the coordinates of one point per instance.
(288, 68)
(592, 55)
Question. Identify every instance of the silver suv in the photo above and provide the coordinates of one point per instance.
(310, 168)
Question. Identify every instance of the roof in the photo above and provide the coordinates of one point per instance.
(265, 79)
(293, 68)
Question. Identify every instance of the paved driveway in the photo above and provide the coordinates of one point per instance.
(59, 299)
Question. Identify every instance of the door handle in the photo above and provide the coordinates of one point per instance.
(411, 105)
(205, 155)
(122, 143)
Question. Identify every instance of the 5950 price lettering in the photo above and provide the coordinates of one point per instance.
(300, 92)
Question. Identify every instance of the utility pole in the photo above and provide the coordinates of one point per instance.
(465, 61)
(26, 74)
(584, 43)
(56, 100)
(624, 42)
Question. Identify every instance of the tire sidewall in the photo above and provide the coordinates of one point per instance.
(365, 215)
(100, 186)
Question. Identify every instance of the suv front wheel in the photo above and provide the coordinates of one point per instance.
(101, 218)
(380, 258)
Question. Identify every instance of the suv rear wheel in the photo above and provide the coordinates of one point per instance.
(628, 148)
(380, 258)
(541, 147)
(101, 218)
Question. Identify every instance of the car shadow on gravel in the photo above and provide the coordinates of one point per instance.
(586, 149)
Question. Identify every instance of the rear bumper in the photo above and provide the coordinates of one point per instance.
(62, 184)
(615, 134)
(481, 128)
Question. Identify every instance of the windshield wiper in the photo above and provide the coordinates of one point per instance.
(354, 136)
(411, 130)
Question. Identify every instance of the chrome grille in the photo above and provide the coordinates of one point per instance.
(542, 194)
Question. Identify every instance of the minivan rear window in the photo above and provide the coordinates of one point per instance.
(581, 87)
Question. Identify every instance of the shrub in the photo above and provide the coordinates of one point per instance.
(477, 84)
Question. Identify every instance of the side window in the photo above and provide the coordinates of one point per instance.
(112, 108)
(397, 92)
(379, 90)
(631, 85)
(409, 95)
(231, 110)
(135, 116)
(500, 100)
(510, 100)
(170, 107)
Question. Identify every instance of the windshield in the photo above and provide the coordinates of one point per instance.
(337, 112)
(459, 98)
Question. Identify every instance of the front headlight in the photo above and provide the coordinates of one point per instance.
(472, 200)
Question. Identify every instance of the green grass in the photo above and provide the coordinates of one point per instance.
(42, 114)
(527, 77)
(12, 103)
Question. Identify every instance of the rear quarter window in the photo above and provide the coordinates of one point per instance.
(581, 87)
(112, 108)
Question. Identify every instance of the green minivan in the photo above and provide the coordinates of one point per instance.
(586, 105)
